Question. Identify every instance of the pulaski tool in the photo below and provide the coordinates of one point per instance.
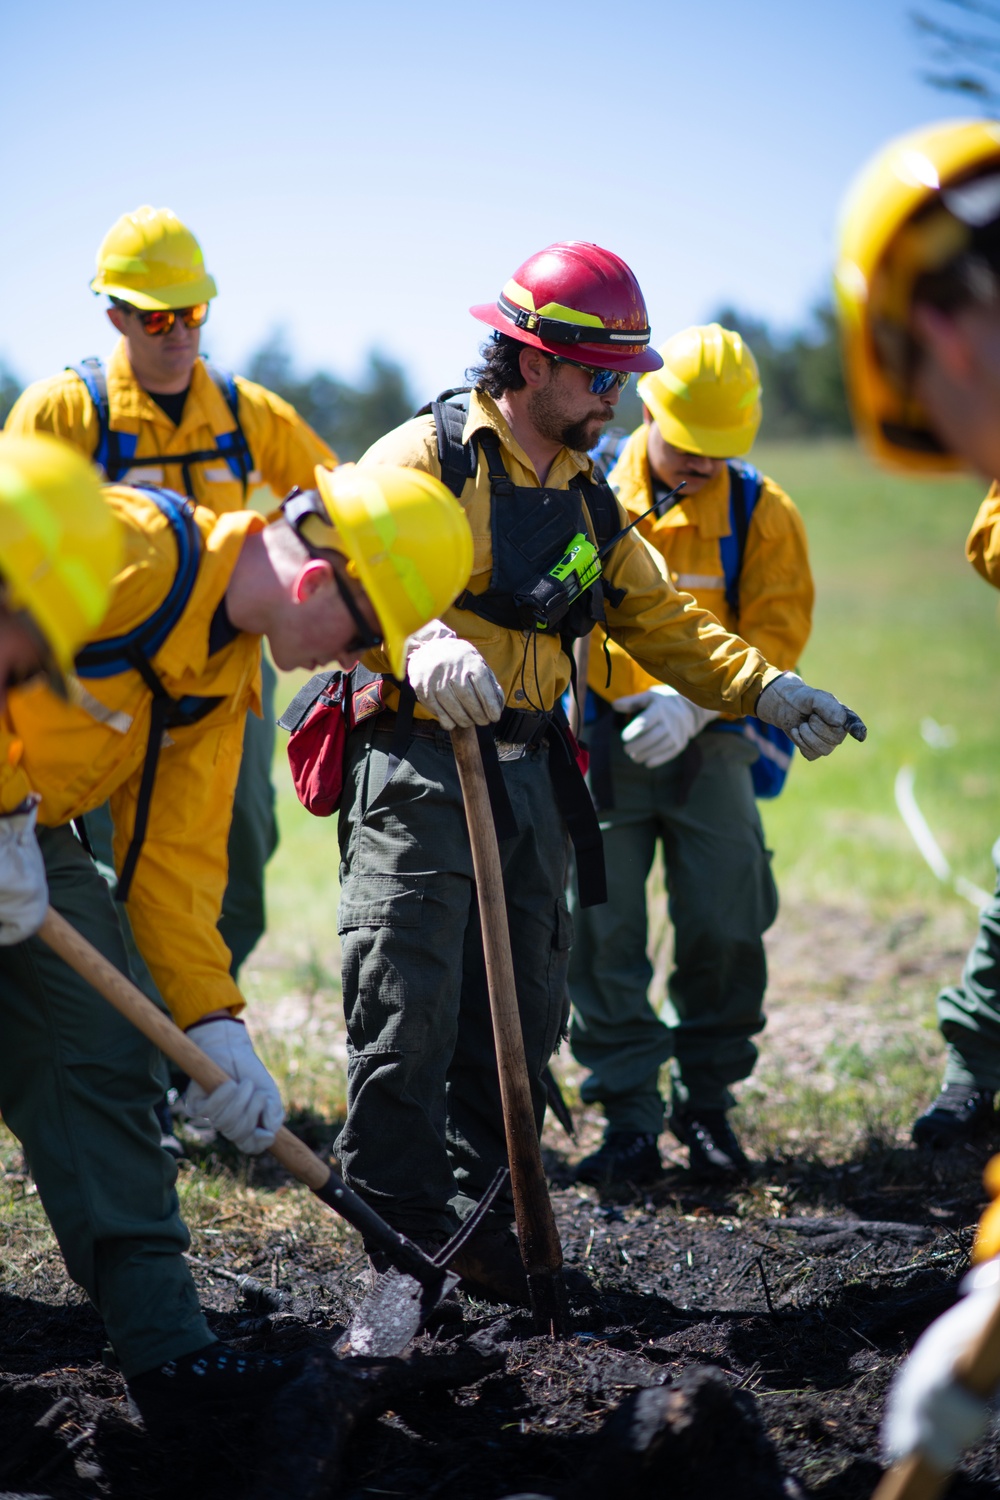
(395, 1312)
(537, 1233)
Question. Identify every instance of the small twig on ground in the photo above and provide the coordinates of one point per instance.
(767, 1291)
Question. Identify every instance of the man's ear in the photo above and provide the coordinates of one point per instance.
(117, 319)
(311, 577)
(647, 416)
(534, 366)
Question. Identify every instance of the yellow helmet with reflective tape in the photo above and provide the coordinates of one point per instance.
(913, 211)
(706, 398)
(151, 260)
(60, 545)
(407, 539)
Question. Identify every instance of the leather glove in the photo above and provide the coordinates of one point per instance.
(927, 1410)
(450, 678)
(664, 726)
(247, 1109)
(24, 890)
(815, 720)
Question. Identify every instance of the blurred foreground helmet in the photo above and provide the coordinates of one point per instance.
(577, 300)
(706, 398)
(406, 538)
(151, 260)
(922, 218)
(60, 546)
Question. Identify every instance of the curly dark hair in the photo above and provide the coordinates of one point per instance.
(500, 370)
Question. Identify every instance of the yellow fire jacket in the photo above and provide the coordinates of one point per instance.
(776, 586)
(79, 754)
(982, 547)
(664, 629)
(285, 449)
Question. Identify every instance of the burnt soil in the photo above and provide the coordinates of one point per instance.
(803, 1291)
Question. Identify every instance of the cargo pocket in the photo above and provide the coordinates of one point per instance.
(390, 978)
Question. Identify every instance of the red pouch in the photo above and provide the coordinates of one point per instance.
(318, 719)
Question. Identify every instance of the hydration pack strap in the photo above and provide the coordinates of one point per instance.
(577, 808)
(158, 714)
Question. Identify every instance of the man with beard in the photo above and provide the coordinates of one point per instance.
(424, 1131)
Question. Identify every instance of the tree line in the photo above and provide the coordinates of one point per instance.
(800, 372)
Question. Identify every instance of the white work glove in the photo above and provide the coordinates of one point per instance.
(247, 1110)
(815, 720)
(667, 722)
(24, 891)
(450, 678)
(927, 1410)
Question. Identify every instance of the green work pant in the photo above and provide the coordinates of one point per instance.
(424, 1130)
(721, 899)
(253, 838)
(969, 1012)
(253, 835)
(77, 1087)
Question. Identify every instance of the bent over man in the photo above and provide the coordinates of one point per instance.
(160, 414)
(154, 721)
(663, 769)
(918, 289)
(424, 1132)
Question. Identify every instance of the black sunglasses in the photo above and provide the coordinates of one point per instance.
(366, 638)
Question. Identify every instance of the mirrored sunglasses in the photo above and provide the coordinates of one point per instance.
(162, 319)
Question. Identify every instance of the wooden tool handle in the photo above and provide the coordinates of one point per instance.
(74, 949)
(536, 1225)
(978, 1370)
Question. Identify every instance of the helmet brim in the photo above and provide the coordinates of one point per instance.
(602, 356)
(165, 299)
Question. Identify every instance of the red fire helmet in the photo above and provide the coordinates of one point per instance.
(577, 300)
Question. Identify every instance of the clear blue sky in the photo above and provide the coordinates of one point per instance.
(361, 174)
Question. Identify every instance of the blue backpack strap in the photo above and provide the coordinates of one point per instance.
(744, 492)
(118, 654)
(232, 446)
(115, 450)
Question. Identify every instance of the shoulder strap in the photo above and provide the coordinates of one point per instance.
(458, 459)
(115, 450)
(118, 654)
(744, 492)
(233, 446)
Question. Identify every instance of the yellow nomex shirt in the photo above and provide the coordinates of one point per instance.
(285, 449)
(79, 754)
(776, 587)
(665, 630)
(982, 547)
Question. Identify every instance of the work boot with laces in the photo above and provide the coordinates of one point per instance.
(713, 1150)
(624, 1156)
(209, 1382)
(961, 1112)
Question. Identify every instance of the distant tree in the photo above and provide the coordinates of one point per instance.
(10, 389)
(349, 417)
(801, 376)
(964, 48)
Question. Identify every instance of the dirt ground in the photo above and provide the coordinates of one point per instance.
(802, 1290)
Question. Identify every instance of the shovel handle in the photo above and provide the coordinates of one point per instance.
(978, 1370)
(536, 1225)
(74, 949)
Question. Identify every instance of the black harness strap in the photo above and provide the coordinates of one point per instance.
(159, 712)
(504, 820)
(577, 809)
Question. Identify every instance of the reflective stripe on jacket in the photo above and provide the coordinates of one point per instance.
(79, 754)
(776, 586)
(285, 449)
(664, 629)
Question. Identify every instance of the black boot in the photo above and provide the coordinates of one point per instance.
(184, 1390)
(713, 1150)
(961, 1112)
(624, 1156)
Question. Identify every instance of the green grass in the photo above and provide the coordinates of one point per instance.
(904, 630)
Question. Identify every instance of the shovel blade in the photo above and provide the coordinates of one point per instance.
(393, 1314)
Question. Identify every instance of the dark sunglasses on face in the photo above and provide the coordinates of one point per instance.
(601, 381)
(162, 319)
(365, 639)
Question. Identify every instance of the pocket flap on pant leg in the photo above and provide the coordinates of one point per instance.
(380, 901)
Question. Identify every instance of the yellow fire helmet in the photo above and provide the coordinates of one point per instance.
(706, 398)
(151, 260)
(406, 538)
(60, 546)
(914, 211)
